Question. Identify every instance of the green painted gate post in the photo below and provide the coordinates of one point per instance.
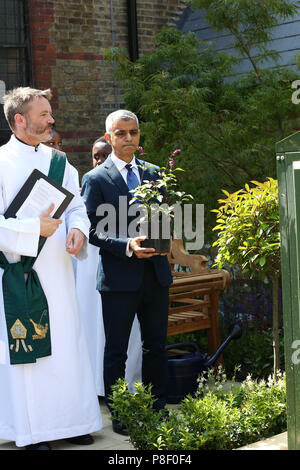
(288, 172)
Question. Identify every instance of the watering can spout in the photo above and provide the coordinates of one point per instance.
(235, 334)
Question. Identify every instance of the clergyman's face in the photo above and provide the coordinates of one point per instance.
(39, 119)
(124, 138)
(100, 152)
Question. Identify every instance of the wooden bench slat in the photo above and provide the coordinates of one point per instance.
(188, 284)
(185, 308)
(187, 316)
(187, 290)
(188, 300)
(194, 295)
(179, 277)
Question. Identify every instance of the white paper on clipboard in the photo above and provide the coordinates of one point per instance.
(42, 195)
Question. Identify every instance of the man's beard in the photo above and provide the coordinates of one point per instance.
(39, 132)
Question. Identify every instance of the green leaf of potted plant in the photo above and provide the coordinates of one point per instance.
(158, 200)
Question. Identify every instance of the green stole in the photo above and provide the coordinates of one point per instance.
(25, 304)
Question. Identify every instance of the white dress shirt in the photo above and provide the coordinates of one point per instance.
(120, 164)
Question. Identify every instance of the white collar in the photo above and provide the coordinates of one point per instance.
(28, 148)
(120, 164)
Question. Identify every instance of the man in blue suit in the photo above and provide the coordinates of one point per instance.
(131, 279)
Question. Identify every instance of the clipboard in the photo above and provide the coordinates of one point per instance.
(26, 189)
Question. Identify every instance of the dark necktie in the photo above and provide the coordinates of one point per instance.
(132, 179)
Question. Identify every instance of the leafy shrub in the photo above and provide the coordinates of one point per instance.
(248, 229)
(248, 236)
(215, 419)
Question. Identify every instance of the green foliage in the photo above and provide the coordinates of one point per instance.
(225, 129)
(159, 196)
(254, 353)
(216, 419)
(136, 413)
(248, 229)
(249, 236)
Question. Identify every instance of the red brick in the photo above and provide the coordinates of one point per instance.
(76, 148)
(39, 40)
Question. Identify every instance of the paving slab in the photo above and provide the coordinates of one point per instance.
(105, 439)
(278, 442)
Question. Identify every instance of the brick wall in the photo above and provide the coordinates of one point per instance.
(68, 39)
(152, 16)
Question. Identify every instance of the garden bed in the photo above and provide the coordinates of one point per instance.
(221, 416)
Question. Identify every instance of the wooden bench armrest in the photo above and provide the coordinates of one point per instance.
(226, 279)
(178, 255)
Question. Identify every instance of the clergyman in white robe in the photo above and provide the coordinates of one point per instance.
(55, 397)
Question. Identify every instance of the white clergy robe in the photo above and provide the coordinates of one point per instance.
(91, 308)
(55, 397)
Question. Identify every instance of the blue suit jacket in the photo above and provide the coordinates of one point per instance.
(117, 272)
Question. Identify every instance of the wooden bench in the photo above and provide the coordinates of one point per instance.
(194, 295)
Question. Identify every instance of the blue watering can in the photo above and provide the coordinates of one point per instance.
(184, 368)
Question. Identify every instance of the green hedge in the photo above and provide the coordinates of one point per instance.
(215, 419)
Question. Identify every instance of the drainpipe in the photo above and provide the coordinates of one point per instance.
(116, 90)
(27, 27)
(133, 45)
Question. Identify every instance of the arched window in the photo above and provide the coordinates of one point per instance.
(15, 60)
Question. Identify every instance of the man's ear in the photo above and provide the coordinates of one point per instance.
(107, 138)
(20, 120)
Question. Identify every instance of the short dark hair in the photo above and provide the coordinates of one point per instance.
(100, 139)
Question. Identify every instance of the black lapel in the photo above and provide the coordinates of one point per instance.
(145, 170)
(142, 169)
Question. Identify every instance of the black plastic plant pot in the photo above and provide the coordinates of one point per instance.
(160, 245)
(159, 235)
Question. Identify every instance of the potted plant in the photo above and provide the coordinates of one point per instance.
(157, 201)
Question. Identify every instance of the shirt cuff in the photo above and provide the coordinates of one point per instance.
(83, 253)
(129, 251)
(28, 237)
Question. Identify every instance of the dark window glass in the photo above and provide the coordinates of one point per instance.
(15, 64)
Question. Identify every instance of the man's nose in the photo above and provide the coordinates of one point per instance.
(128, 136)
(51, 120)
